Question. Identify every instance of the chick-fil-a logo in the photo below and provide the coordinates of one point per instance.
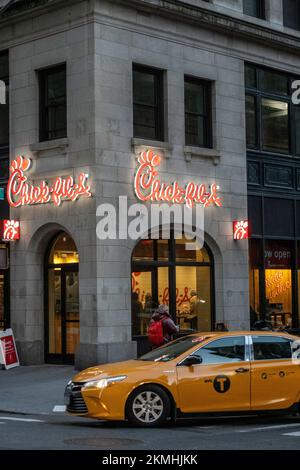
(241, 230)
(22, 193)
(148, 186)
(11, 230)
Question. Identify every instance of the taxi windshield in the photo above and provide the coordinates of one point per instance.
(173, 350)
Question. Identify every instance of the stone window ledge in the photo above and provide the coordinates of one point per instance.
(194, 152)
(57, 144)
(139, 145)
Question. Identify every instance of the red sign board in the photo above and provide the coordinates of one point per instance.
(241, 230)
(9, 230)
(8, 349)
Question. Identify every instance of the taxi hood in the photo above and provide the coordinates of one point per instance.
(111, 370)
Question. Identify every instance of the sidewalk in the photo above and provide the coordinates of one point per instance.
(33, 389)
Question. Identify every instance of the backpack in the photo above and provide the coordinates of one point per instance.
(155, 333)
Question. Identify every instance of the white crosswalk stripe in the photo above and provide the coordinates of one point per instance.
(24, 420)
(266, 428)
(292, 434)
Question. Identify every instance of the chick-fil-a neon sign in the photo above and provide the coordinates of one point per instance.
(148, 186)
(22, 193)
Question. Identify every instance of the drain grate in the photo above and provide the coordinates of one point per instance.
(102, 442)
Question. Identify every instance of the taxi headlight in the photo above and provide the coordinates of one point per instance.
(103, 383)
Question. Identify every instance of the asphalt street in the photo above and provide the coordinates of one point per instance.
(60, 432)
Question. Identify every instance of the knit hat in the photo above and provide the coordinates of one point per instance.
(162, 310)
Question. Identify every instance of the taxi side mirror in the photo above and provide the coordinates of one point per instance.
(192, 361)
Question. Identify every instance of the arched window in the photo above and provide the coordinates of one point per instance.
(165, 272)
(63, 251)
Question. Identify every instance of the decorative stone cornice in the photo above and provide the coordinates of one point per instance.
(205, 17)
(18, 6)
(180, 11)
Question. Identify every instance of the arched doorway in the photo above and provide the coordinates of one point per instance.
(61, 300)
(166, 272)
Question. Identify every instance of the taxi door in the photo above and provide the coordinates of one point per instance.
(275, 376)
(221, 382)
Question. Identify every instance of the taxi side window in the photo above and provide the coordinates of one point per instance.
(271, 347)
(223, 351)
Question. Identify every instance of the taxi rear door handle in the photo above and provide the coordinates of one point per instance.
(242, 370)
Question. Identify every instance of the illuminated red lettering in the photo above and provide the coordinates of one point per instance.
(21, 193)
(148, 186)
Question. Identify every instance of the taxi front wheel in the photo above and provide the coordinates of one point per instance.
(148, 406)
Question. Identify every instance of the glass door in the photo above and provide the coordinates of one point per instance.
(55, 312)
(63, 314)
(71, 306)
(62, 321)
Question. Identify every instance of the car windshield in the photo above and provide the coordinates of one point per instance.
(173, 350)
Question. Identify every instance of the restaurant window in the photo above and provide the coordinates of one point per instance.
(53, 103)
(271, 283)
(198, 127)
(278, 282)
(298, 281)
(181, 279)
(291, 14)
(254, 8)
(269, 112)
(148, 103)
(4, 99)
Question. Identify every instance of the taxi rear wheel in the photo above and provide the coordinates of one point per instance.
(148, 406)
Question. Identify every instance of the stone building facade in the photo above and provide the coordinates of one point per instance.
(99, 41)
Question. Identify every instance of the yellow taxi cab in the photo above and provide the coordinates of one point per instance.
(197, 374)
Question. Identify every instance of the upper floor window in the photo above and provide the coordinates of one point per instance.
(254, 8)
(291, 14)
(148, 103)
(271, 118)
(198, 128)
(4, 99)
(53, 103)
